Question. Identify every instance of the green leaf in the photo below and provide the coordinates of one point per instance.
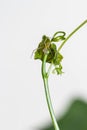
(43, 48)
(57, 59)
(75, 118)
(51, 54)
(58, 69)
(38, 55)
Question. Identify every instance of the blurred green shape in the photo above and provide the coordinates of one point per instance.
(74, 119)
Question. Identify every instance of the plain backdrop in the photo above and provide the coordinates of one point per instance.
(22, 24)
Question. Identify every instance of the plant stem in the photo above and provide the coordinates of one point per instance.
(70, 35)
(45, 76)
(49, 69)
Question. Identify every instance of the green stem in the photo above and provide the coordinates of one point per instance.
(70, 35)
(49, 69)
(45, 76)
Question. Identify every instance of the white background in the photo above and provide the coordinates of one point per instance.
(22, 24)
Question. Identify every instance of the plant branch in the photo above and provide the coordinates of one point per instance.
(49, 69)
(70, 35)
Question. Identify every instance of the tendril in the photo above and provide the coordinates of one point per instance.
(60, 35)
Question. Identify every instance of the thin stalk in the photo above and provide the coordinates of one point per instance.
(49, 69)
(70, 35)
(45, 76)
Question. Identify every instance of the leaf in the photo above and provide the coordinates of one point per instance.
(52, 51)
(57, 59)
(38, 55)
(43, 47)
(58, 69)
(75, 118)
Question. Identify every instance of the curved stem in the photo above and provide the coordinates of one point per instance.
(71, 34)
(47, 93)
